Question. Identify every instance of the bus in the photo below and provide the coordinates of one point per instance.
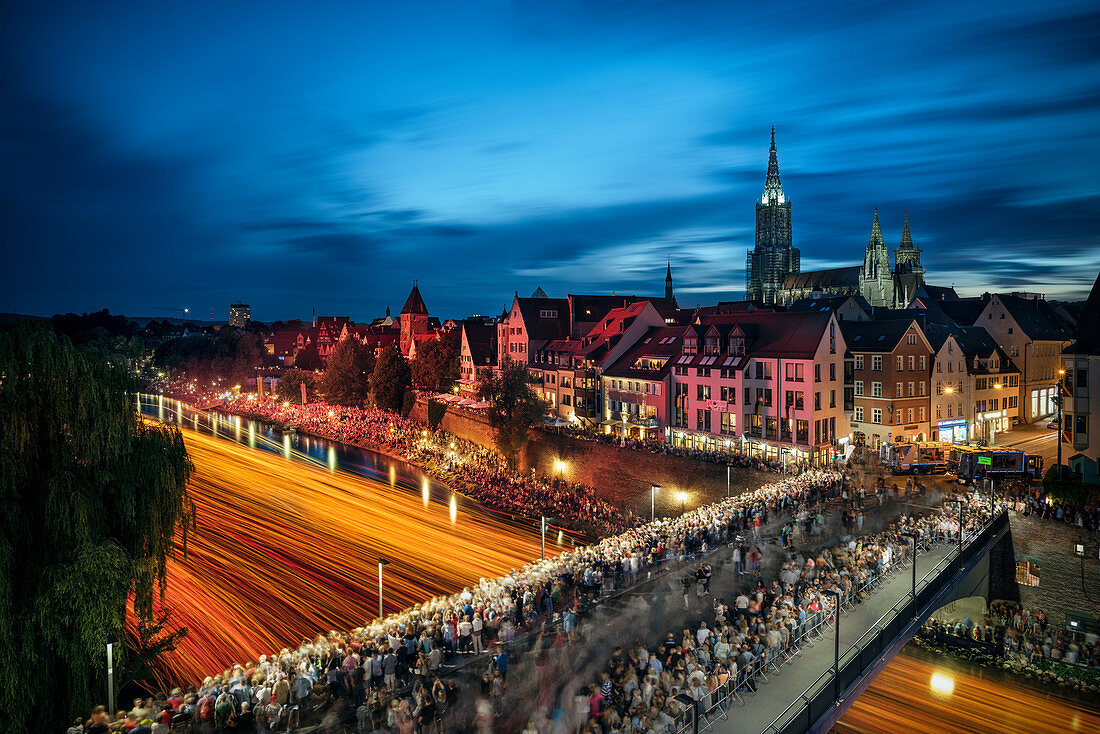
(970, 463)
(922, 457)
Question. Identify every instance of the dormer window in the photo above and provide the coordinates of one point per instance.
(737, 345)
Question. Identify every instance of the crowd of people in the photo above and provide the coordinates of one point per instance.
(1086, 516)
(729, 641)
(397, 674)
(657, 446)
(1018, 634)
(390, 672)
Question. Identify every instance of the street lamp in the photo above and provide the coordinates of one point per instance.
(913, 537)
(1061, 377)
(683, 499)
(653, 501)
(111, 642)
(543, 519)
(560, 466)
(381, 562)
(836, 644)
(728, 467)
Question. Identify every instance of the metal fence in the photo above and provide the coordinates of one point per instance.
(822, 694)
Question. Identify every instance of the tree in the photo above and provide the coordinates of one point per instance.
(289, 388)
(93, 498)
(307, 358)
(436, 363)
(514, 407)
(391, 379)
(346, 380)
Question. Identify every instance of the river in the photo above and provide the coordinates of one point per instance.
(922, 692)
(289, 533)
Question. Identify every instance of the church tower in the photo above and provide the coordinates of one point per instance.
(773, 258)
(668, 283)
(908, 271)
(414, 319)
(876, 281)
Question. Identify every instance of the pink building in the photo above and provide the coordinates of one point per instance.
(766, 384)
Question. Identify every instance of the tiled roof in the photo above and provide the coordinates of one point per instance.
(663, 342)
(414, 303)
(874, 336)
(1037, 318)
(828, 303)
(482, 340)
(831, 278)
(545, 328)
(1088, 325)
(771, 334)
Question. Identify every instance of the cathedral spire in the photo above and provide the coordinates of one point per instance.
(668, 282)
(906, 237)
(773, 187)
(876, 233)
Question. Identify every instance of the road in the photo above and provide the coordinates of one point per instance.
(285, 550)
(936, 694)
(1035, 439)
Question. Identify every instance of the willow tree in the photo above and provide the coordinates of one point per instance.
(92, 500)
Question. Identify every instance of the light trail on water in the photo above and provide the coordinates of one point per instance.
(285, 550)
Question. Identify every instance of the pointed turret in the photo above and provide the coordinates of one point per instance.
(876, 281)
(414, 303)
(668, 282)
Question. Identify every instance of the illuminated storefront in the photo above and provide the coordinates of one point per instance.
(952, 430)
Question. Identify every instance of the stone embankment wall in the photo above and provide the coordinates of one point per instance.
(619, 475)
(1066, 582)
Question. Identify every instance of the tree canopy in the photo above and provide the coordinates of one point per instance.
(514, 407)
(347, 376)
(391, 379)
(436, 363)
(230, 356)
(289, 388)
(93, 498)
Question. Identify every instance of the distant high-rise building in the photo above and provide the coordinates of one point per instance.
(773, 258)
(240, 314)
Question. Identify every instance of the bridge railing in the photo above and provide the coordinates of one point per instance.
(825, 691)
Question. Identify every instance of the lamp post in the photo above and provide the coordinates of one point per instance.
(728, 467)
(683, 499)
(913, 537)
(960, 503)
(1061, 377)
(653, 501)
(381, 562)
(836, 644)
(543, 518)
(111, 642)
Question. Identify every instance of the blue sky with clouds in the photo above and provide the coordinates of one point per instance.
(323, 155)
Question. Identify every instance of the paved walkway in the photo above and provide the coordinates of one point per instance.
(772, 698)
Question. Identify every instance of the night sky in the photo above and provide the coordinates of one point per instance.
(324, 155)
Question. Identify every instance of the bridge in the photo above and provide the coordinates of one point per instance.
(811, 693)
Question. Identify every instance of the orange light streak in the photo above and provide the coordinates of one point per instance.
(285, 551)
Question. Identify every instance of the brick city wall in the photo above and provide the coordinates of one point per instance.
(620, 475)
(1067, 583)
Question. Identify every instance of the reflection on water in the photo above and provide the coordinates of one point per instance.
(920, 691)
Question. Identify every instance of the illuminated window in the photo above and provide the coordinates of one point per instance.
(1027, 573)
